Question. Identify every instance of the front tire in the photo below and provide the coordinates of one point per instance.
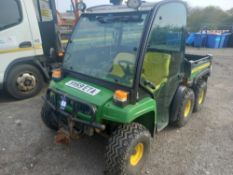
(24, 81)
(127, 150)
(49, 118)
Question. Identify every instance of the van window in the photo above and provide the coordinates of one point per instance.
(10, 13)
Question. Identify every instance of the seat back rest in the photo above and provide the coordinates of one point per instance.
(156, 67)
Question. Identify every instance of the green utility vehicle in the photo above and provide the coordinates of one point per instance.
(125, 75)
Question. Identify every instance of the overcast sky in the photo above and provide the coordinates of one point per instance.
(64, 5)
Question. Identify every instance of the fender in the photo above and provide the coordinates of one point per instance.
(144, 111)
(28, 60)
(205, 74)
(129, 113)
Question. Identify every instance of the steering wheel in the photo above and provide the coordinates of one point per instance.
(125, 65)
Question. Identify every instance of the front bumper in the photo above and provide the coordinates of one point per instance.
(72, 117)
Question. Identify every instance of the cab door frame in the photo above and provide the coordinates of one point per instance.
(143, 50)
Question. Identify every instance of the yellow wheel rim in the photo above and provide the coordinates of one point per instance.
(187, 108)
(137, 156)
(201, 97)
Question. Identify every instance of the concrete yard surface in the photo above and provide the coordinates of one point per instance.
(203, 147)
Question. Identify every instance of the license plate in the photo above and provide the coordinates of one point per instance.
(63, 103)
(83, 87)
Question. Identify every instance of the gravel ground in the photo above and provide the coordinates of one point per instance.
(203, 147)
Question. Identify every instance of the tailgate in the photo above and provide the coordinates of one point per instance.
(199, 66)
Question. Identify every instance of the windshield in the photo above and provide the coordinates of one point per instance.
(105, 46)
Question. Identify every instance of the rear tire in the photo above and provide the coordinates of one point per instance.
(49, 118)
(200, 90)
(127, 150)
(185, 107)
(24, 81)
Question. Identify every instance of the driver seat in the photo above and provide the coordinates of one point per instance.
(156, 68)
(116, 68)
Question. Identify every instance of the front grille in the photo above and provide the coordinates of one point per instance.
(73, 106)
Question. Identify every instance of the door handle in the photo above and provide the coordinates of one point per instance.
(25, 44)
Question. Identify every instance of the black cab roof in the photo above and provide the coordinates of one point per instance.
(119, 8)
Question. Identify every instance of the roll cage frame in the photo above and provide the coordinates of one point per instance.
(133, 91)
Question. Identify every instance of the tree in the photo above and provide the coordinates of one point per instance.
(211, 17)
(230, 12)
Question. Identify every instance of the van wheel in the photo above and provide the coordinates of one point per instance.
(49, 118)
(24, 81)
(200, 90)
(185, 107)
(127, 150)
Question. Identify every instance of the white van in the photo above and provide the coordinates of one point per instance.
(28, 37)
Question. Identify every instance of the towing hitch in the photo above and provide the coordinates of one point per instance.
(67, 133)
(64, 136)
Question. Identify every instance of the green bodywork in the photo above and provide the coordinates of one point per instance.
(196, 70)
(145, 110)
(114, 61)
(107, 110)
